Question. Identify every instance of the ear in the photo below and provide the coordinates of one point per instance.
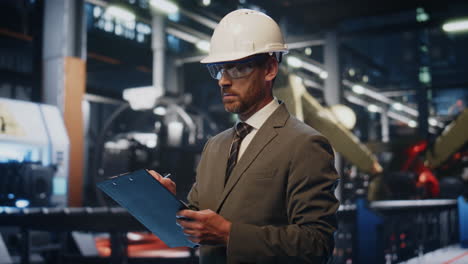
(271, 69)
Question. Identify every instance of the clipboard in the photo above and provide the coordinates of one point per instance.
(150, 203)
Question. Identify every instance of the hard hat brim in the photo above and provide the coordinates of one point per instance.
(237, 56)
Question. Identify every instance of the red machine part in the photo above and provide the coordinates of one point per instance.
(415, 163)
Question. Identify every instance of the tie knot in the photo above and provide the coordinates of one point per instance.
(242, 129)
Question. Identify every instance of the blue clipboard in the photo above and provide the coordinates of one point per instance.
(150, 203)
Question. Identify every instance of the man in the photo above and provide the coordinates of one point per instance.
(264, 191)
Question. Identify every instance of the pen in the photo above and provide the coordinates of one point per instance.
(167, 175)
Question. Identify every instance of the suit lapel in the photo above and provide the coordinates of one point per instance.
(263, 137)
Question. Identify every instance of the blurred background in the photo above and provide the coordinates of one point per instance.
(95, 88)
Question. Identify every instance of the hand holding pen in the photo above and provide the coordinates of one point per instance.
(165, 181)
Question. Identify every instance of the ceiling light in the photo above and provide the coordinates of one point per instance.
(323, 75)
(373, 108)
(412, 123)
(97, 11)
(119, 13)
(312, 67)
(206, 2)
(371, 92)
(365, 78)
(351, 72)
(358, 89)
(294, 62)
(432, 121)
(308, 51)
(421, 15)
(456, 26)
(165, 6)
(397, 106)
(22, 203)
(203, 45)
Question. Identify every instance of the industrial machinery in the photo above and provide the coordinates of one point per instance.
(169, 137)
(305, 107)
(34, 153)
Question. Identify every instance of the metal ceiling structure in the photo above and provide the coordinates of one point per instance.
(367, 31)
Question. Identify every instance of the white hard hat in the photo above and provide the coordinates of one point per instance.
(242, 33)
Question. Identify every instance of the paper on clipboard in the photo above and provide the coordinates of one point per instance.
(150, 203)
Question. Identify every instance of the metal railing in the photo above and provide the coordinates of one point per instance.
(394, 231)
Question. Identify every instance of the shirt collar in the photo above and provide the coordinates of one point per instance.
(259, 118)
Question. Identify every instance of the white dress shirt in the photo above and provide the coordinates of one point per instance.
(256, 121)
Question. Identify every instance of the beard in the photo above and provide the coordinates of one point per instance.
(243, 104)
(234, 107)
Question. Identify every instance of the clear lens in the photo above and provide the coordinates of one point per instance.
(235, 70)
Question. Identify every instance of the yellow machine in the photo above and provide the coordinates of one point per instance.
(305, 107)
(452, 139)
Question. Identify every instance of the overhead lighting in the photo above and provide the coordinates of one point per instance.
(22, 203)
(373, 108)
(365, 78)
(165, 6)
(358, 89)
(294, 62)
(397, 106)
(433, 122)
(316, 68)
(120, 13)
(312, 68)
(370, 91)
(421, 15)
(351, 72)
(203, 45)
(206, 2)
(424, 75)
(412, 123)
(308, 51)
(323, 75)
(456, 26)
(358, 101)
(97, 11)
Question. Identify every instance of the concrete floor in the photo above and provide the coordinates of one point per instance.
(449, 255)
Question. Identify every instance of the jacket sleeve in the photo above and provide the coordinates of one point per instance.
(192, 196)
(311, 210)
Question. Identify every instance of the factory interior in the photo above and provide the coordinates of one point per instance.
(116, 86)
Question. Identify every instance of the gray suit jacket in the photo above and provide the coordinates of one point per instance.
(279, 197)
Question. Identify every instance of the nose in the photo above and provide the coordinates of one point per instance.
(225, 80)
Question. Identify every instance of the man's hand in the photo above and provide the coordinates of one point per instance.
(166, 182)
(205, 227)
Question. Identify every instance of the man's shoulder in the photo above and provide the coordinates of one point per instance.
(299, 128)
(226, 134)
(302, 135)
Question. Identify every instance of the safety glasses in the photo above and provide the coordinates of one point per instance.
(236, 70)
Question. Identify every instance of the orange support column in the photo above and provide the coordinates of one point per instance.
(75, 83)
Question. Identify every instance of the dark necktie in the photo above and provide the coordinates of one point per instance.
(242, 129)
